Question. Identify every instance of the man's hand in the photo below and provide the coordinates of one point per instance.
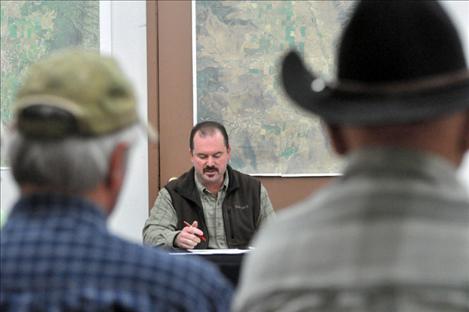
(188, 238)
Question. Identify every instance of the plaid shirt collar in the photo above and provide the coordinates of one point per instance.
(393, 160)
(55, 205)
(203, 190)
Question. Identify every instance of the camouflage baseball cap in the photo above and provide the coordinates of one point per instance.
(74, 93)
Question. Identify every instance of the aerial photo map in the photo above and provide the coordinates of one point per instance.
(239, 45)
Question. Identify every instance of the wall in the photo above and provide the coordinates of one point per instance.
(128, 45)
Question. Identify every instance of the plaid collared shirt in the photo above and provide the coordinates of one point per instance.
(57, 255)
(213, 212)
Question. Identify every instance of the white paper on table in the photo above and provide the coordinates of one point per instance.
(218, 251)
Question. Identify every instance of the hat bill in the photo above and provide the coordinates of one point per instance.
(150, 131)
(356, 104)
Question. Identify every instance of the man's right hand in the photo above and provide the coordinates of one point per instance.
(188, 238)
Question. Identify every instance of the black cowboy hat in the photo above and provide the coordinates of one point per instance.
(398, 62)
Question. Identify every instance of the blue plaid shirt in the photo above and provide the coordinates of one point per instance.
(57, 255)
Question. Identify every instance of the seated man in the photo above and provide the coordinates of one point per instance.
(392, 233)
(76, 119)
(211, 205)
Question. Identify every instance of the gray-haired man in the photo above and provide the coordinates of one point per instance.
(76, 120)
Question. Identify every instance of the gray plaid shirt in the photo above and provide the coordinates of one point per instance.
(391, 234)
(160, 227)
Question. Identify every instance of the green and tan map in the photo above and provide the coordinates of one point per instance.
(238, 48)
(31, 30)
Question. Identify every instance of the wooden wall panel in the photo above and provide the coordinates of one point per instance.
(175, 85)
(153, 104)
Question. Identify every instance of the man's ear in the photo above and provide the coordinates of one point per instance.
(117, 168)
(466, 133)
(191, 156)
(337, 138)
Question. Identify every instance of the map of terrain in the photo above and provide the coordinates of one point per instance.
(239, 45)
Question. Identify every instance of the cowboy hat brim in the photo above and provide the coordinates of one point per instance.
(348, 104)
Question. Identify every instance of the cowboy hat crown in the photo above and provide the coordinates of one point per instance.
(398, 61)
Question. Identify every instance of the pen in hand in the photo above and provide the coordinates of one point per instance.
(202, 237)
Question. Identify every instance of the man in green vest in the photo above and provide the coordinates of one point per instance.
(211, 205)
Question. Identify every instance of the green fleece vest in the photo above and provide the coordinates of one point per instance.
(241, 206)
